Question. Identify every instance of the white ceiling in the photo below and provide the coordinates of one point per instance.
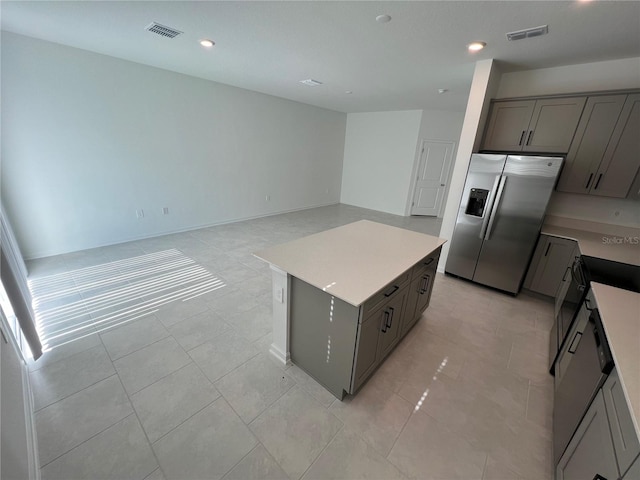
(270, 46)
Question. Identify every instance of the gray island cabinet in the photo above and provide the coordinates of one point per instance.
(344, 298)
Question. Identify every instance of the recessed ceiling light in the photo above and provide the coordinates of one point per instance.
(476, 46)
(383, 18)
(207, 43)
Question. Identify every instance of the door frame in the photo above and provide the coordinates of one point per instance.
(414, 173)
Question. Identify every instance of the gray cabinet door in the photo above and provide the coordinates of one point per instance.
(366, 355)
(390, 323)
(622, 157)
(508, 125)
(411, 314)
(590, 143)
(590, 451)
(634, 472)
(552, 256)
(623, 433)
(553, 124)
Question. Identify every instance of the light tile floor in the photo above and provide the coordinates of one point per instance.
(163, 384)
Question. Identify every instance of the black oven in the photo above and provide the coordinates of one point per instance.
(571, 293)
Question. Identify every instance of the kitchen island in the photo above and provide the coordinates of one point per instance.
(343, 298)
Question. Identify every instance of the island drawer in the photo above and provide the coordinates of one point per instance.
(427, 263)
(385, 294)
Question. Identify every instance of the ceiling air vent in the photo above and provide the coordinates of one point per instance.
(163, 30)
(528, 33)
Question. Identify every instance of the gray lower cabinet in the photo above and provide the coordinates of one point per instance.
(634, 472)
(625, 439)
(605, 443)
(549, 264)
(341, 345)
(590, 451)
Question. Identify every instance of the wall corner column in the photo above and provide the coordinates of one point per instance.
(280, 287)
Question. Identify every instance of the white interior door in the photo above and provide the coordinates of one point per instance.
(431, 178)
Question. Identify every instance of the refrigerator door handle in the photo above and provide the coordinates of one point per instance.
(494, 207)
(489, 208)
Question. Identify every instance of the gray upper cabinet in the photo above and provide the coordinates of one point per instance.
(544, 125)
(605, 154)
(622, 158)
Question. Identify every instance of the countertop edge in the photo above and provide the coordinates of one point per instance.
(603, 294)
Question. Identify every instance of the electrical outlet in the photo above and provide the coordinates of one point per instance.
(279, 294)
(140, 213)
(165, 210)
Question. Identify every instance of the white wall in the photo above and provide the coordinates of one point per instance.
(483, 87)
(88, 139)
(379, 154)
(598, 76)
(587, 77)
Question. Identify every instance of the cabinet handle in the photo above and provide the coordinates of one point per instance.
(547, 250)
(429, 262)
(392, 291)
(521, 138)
(384, 324)
(388, 319)
(424, 285)
(598, 182)
(574, 343)
(529, 137)
(589, 181)
(564, 277)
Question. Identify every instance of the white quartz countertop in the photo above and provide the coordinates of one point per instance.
(620, 313)
(354, 261)
(618, 248)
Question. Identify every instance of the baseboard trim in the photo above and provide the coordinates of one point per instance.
(38, 255)
(279, 355)
(32, 437)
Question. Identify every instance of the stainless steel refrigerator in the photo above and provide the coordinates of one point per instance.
(502, 209)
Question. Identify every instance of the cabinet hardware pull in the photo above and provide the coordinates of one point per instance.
(598, 182)
(548, 247)
(589, 181)
(521, 138)
(574, 343)
(564, 277)
(384, 324)
(587, 305)
(424, 285)
(529, 137)
(390, 318)
(392, 291)
(429, 262)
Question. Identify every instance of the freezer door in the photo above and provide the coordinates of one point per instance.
(514, 225)
(479, 192)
